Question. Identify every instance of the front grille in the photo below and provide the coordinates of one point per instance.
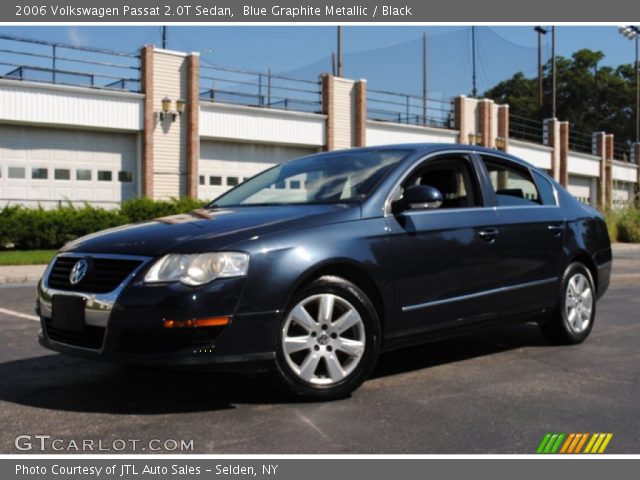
(90, 337)
(103, 276)
(169, 340)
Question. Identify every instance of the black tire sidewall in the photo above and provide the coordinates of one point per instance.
(297, 387)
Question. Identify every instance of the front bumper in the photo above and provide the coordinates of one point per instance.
(127, 324)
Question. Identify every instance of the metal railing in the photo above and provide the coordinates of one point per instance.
(621, 151)
(259, 89)
(526, 129)
(397, 107)
(60, 63)
(580, 141)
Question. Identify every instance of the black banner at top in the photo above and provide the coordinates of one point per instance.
(329, 11)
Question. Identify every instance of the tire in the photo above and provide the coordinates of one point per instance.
(575, 314)
(329, 341)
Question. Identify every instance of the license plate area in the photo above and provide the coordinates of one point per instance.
(68, 313)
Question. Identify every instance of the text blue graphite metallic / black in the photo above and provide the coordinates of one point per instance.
(312, 268)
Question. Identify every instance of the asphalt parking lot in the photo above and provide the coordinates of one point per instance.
(498, 392)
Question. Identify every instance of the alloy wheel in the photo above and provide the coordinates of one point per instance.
(323, 339)
(578, 302)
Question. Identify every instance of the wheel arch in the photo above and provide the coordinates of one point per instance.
(352, 272)
(584, 258)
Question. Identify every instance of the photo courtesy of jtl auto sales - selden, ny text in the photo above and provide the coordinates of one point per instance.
(319, 240)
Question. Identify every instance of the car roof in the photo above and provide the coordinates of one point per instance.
(426, 148)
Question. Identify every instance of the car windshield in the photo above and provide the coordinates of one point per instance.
(343, 177)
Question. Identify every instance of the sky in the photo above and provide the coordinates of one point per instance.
(388, 56)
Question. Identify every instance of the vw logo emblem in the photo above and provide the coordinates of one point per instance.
(78, 271)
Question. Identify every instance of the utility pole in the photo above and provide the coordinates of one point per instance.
(339, 51)
(553, 72)
(632, 32)
(474, 90)
(164, 37)
(424, 78)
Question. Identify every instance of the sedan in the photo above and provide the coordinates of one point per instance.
(311, 269)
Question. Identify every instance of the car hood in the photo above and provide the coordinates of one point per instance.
(209, 229)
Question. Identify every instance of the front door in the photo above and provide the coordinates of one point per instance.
(446, 259)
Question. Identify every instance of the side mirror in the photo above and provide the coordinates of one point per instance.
(422, 197)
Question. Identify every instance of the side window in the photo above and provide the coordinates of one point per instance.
(512, 185)
(453, 177)
(546, 189)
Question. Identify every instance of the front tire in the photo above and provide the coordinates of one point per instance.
(573, 319)
(329, 341)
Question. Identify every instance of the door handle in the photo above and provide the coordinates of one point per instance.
(488, 234)
(556, 229)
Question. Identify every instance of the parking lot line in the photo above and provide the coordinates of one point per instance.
(13, 313)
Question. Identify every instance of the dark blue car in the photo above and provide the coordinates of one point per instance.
(312, 268)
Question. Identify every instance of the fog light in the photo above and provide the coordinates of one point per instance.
(200, 322)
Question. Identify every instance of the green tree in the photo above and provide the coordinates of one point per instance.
(591, 98)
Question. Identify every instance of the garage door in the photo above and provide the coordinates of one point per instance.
(225, 164)
(623, 193)
(44, 165)
(583, 188)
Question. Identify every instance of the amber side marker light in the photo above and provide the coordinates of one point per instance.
(201, 322)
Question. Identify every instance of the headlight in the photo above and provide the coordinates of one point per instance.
(198, 269)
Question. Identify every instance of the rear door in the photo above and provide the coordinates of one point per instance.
(532, 229)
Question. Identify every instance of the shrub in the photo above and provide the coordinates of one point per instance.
(40, 228)
(629, 226)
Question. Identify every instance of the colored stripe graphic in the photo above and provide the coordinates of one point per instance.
(573, 443)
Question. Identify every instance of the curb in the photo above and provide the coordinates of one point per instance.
(19, 279)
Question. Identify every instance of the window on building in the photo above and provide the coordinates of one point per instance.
(39, 173)
(232, 181)
(17, 172)
(215, 180)
(201, 180)
(104, 176)
(62, 174)
(83, 175)
(125, 177)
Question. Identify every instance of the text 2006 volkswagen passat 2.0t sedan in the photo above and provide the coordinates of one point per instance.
(312, 268)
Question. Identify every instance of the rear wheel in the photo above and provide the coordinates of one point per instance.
(329, 340)
(573, 319)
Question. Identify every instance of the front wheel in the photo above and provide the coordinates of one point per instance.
(573, 319)
(329, 340)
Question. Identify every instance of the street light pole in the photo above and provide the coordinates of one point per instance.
(637, 90)
(541, 31)
(632, 32)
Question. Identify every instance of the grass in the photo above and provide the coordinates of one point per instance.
(25, 257)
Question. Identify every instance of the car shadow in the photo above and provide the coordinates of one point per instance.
(64, 383)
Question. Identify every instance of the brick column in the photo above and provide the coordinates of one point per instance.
(485, 127)
(600, 151)
(564, 153)
(193, 129)
(361, 113)
(459, 119)
(503, 127)
(608, 189)
(340, 105)
(327, 109)
(146, 80)
(552, 129)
